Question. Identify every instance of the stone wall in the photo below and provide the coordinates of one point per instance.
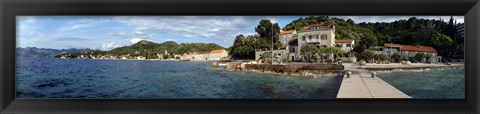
(296, 69)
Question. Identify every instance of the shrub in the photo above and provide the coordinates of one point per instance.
(380, 57)
(396, 57)
(418, 57)
(366, 55)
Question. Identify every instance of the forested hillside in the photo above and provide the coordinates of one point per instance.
(436, 33)
(150, 49)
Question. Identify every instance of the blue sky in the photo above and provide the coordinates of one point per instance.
(108, 32)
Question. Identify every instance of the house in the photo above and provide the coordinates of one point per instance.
(407, 50)
(217, 54)
(346, 45)
(320, 35)
(205, 56)
(287, 36)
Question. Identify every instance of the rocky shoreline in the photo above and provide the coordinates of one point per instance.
(315, 70)
(320, 70)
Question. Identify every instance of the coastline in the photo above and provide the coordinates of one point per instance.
(292, 70)
(401, 67)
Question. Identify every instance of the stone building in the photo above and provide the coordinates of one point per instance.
(407, 50)
(205, 56)
(319, 35)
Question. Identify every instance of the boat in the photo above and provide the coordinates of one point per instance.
(222, 64)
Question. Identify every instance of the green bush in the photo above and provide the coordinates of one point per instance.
(396, 57)
(366, 55)
(380, 57)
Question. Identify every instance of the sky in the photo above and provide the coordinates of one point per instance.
(109, 32)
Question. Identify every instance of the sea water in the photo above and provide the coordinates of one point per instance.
(436, 83)
(153, 79)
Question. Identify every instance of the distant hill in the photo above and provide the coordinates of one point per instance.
(150, 49)
(169, 46)
(34, 52)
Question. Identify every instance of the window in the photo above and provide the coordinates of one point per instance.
(324, 37)
(310, 37)
(349, 45)
(303, 38)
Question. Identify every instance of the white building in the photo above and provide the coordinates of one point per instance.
(287, 36)
(346, 45)
(408, 50)
(320, 35)
(205, 56)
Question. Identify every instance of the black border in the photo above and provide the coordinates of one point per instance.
(9, 9)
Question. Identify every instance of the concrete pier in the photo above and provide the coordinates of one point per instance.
(362, 85)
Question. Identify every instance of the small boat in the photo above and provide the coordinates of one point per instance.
(222, 64)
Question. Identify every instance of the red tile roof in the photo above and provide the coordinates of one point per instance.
(208, 52)
(217, 51)
(344, 41)
(391, 45)
(320, 27)
(287, 32)
(418, 48)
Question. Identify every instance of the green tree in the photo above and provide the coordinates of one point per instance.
(267, 30)
(428, 57)
(350, 21)
(165, 56)
(441, 42)
(332, 50)
(418, 57)
(266, 56)
(365, 43)
(380, 57)
(396, 57)
(293, 42)
(366, 55)
(308, 51)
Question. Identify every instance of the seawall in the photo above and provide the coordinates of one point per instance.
(296, 69)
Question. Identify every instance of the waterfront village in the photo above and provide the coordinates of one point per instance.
(359, 80)
(320, 36)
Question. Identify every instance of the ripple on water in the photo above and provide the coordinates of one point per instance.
(72, 78)
(432, 83)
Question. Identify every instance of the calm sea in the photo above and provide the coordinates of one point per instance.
(431, 84)
(75, 78)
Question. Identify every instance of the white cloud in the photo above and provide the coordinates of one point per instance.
(111, 45)
(138, 32)
(130, 35)
(26, 25)
(135, 40)
(211, 27)
(82, 23)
